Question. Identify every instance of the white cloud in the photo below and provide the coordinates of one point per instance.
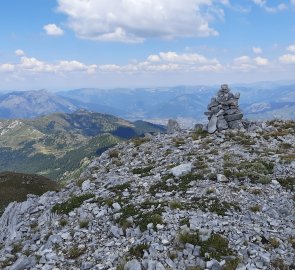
(257, 50)
(293, 2)
(287, 59)
(19, 52)
(32, 65)
(246, 63)
(168, 62)
(53, 30)
(136, 20)
(260, 61)
(242, 60)
(291, 48)
(263, 4)
(6, 68)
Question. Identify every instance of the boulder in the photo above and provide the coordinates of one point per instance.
(173, 126)
(181, 170)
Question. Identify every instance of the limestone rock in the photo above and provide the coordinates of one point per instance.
(181, 170)
(173, 126)
(132, 265)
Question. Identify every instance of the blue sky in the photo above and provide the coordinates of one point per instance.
(64, 44)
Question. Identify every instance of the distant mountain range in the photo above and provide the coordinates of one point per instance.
(264, 100)
(57, 143)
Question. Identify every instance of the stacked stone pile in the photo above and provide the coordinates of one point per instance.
(223, 111)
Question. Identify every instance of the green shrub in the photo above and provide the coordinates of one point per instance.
(175, 205)
(217, 247)
(71, 204)
(75, 252)
(63, 222)
(143, 171)
(255, 208)
(83, 223)
(138, 251)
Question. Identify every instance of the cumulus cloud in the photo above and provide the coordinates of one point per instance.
(33, 65)
(246, 63)
(257, 50)
(6, 67)
(168, 62)
(134, 21)
(260, 61)
(272, 9)
(291, 48)
(53, 30)
(19, 52)
(287, 59)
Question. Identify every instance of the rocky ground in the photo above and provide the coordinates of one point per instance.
(187, 200)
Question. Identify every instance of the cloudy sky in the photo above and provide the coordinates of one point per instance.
(64, 44)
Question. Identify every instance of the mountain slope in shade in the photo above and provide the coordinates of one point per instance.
(28, 104)
(16, 187)
(54, 144)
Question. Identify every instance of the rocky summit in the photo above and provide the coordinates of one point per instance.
(223, 111)
(187, 200)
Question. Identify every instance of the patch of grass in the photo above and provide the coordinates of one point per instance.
(75, 252)
(257, 171)
(140, 140)
(83, 223)
(16, 248)
(127, 211)
(256, 191)
(279, 264)
(63, 222)
(34, 225)
(162, 185)
(287, 183)
(176, 205)
(231, 264)
(274, 242)
(114, 154)
(71, 204)
(255, 208)
(184, 221)
(145, 171)
(214, 205)
(199, 134)
(191, 238)
(147, 218)
(292, 242)
(184, 181)
(217, 247)
(7, 262)
(118, 189)
(138, 251)
(178, 142)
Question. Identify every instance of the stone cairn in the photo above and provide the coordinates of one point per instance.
(223, 111)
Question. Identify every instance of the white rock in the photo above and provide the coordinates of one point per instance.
(132, 265)
(181, 170)
(86, 185)
(116, 206)
(221, 178)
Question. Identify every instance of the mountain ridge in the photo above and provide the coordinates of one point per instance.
(187, 200)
